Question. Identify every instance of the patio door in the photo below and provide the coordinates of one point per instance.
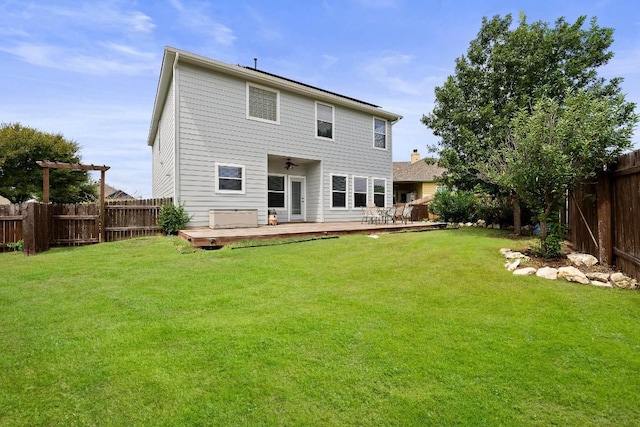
(296, 198)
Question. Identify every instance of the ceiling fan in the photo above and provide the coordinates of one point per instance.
(288, 164)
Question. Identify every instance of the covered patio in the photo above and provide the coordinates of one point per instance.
(208, 237)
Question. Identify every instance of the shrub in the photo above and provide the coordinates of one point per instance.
(16, 246)
(172, 218)
(494, 210)
(454, 206)
(551, 246)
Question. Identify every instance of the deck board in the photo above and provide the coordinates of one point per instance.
(207, 237)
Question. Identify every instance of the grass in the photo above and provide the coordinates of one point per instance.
(407, 329)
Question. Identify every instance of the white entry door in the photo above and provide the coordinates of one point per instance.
(296, 198)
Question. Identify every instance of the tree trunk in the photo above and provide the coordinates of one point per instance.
(517, 214)
(543, 229)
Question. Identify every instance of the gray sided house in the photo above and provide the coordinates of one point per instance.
(226, 137)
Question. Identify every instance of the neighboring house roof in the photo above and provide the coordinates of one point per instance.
(172, 56)
(4, 201)
(113, 193)
(418, 171)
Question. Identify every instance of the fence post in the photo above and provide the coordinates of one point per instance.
(605, 219)
(28, 229)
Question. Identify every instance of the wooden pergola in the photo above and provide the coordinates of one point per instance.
(46, 165)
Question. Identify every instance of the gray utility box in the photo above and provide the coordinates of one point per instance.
(233, 218)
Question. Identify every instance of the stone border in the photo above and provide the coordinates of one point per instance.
(514, 262)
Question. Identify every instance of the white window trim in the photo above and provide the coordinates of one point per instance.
(346, 191)
(353, 186)
(333, 122)
(386, 134)
(258, 119)
(243, 180)
(373, 190)
(284, 177)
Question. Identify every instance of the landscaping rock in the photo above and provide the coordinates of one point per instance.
(482, 223)
(600, 277)
(582, 260)
(547, 273)
(516, 255)
(601, 284)
(527, 271)
(504, 251)
(572, 274)
(620, 280)
(511, 266)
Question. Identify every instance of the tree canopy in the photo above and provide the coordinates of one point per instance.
(559, 145)
(504, 71)
(21, 177)
(504, 74)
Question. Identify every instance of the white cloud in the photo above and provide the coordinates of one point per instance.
(392, 71)
(195, 18)
(96, 62)
(68, 37)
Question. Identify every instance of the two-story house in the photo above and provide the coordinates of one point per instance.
(227, 137)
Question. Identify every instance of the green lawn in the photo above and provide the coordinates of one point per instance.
(407, 329)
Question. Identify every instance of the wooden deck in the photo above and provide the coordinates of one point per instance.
(207, 237)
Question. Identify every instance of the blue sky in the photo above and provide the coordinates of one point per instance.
(89, 69)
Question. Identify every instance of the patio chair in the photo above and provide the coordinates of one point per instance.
(387, 214)
(370, 214)
(406, 213)
(397, 215)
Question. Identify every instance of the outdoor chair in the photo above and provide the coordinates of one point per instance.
(397, 215)
(370, 214)
(387, 214)
(406, 214)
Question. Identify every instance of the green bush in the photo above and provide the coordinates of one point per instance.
(172, 218)
(454, 206)
(16, 246)
(551, 246)
(494, 210)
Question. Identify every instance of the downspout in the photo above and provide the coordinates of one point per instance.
(176, 134)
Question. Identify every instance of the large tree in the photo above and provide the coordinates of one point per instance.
(505, 71)
(558, 145)
(21, 177)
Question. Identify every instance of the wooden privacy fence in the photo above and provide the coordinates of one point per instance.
(126, 219)
(10, 225)
(604, 216)
(41, 225)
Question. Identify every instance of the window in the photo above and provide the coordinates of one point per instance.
(324, 121)
(379, 192)
(276, 191)
(230, 178)
(360, 185)
(380, 133)
(263, 104)
(338, 191)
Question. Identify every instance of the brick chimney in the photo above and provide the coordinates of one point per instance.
(415, 156)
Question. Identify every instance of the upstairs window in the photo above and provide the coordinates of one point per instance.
(230, 178)
(360, 185)
(263, 104)
(338, 191)
(380, 133)
(379, 192)
(276, 191)
(324, 121)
